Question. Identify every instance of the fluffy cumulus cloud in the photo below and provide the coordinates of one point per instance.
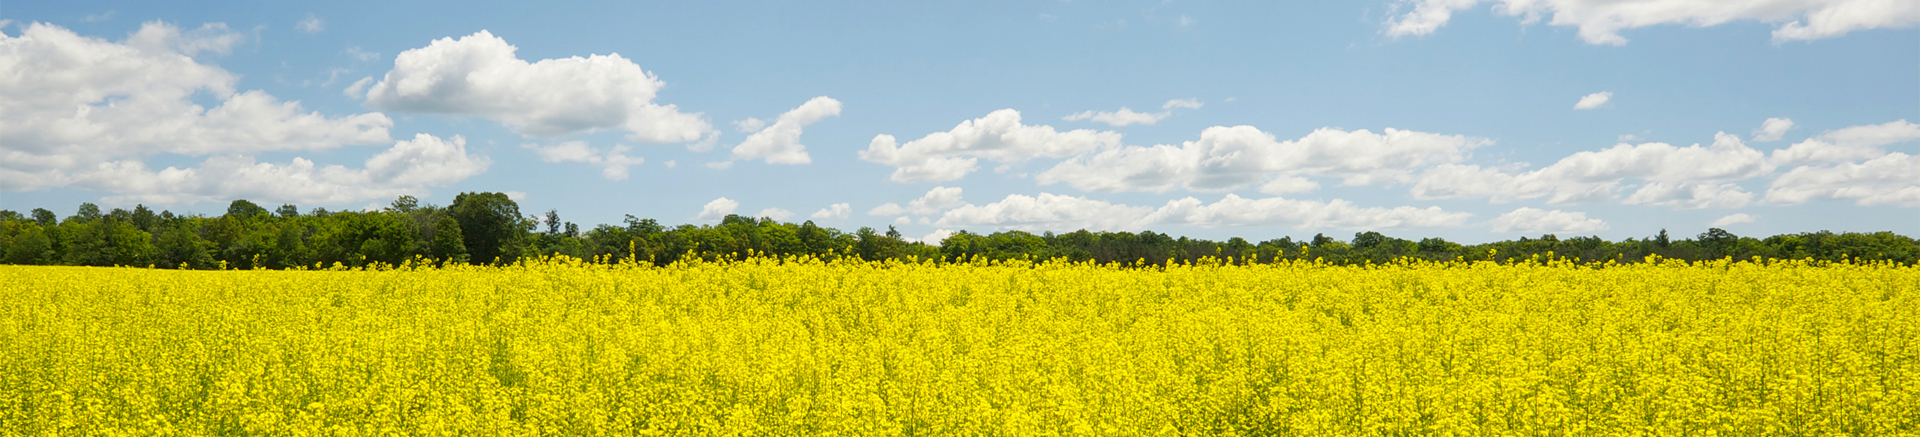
(613, 162)
(1304, 214)
(834, 211)
(1733, 219)
(1289, 185)
(1849, 163)
(1886, 180)
(73, 102)
(1534, 220)
(1226, 158)
(718, 209)
(1047, 212)
(1600, 21)
(1846, 144)
(1692, 176)
(779, 142)
(935, 237)
(1772, 129)
(999, 137)
(409, 167)
(1126, 116)
(775, 213)
(1594, 100)
(887, 209)
(1064, 213)
(1691, 195)
(936, 200)
(480, 75)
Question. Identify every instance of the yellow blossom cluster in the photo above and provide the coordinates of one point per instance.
(799, 346)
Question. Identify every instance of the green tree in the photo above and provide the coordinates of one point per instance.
(88, 212)
(448, 243)
(404, 204)
(1718, 242)
(179, 245)
(46, 219)
(244, 209)
(491, 225)
(25, 242)
(109, 243)
(144, 218)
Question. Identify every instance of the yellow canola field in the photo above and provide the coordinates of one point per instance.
(802, 347)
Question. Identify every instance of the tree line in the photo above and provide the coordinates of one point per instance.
(488, 228)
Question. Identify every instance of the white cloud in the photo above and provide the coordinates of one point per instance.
(1592, 176)
(999, 136)
(776, 214)
(834, 211)
(1182, 104)
(1885, 180)
(72, 102)
(1046, 212)
(1847, 144)
(887, 209)
(902, 221)
(1691, 195)
(479, 74)
(1848, 163)
(1534, 220)
(1225, 158)
(936, 200)
(718, 209)
(779, 143)
(409, 167)
(1600, 21)
(1772, 129)
(613, 163)
(1594, 100)
(1126, 116)
(311, 25)
(1063, 213)
(358, 89)
(517, 196)
(750, 125)
(156, 37)
(1303, 214)
(1732, 219)
(1289, 185)
(1118, 118)
(935, 237)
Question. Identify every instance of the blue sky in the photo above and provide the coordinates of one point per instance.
(1470, 120)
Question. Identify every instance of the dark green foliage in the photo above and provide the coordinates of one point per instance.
(88, 212)
(25, 242)
(448, 244)
(106, 243)
(144, 218)
(45, 218)
(245, 210)
(485, 227)
(491, 225)
(181, 247)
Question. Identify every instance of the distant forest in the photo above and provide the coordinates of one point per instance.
(486, 228)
